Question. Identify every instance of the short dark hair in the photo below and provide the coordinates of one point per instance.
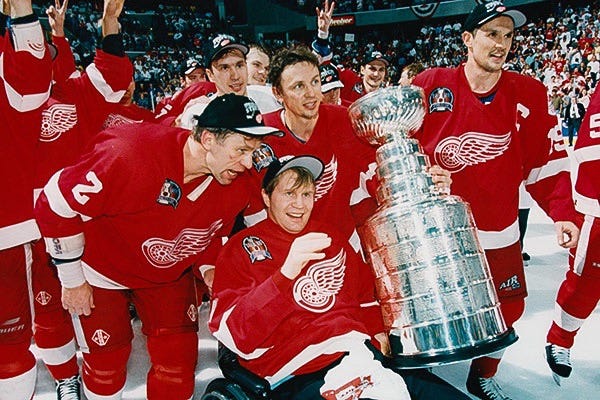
(261, 48)
(225, 53)
(220, 133)
(286, 57)
(303, 178)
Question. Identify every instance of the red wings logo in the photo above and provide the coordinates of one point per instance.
(56, 120)
(327, 179)
(316, 290)
(114, 120)
(456, 153)
(163, 253)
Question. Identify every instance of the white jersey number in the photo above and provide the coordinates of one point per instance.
(80, 189)
(595, 124)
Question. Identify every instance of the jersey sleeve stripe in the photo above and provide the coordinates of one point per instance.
(552, 168)
(100, 84)
(19, 102)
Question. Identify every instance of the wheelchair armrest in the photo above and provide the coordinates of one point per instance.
(231, 368)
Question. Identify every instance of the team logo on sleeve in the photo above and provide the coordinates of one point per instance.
(56, 120)
(441, 99)
(316, 290)
(262, 157)
(455, 153)
(170, 193)
(256, 249)
(164, 253)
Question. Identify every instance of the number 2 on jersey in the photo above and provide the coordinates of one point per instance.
(94, 187)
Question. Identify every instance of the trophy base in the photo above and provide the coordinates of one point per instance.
(424, 360)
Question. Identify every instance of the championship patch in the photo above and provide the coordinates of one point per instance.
(256, 249)
(358, 88)
(170, 193)
(441, 99)
(263, 157)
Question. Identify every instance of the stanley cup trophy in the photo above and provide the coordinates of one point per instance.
(433, 282)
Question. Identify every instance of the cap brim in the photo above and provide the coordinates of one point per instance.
(381, 60)
(517, 16)
(259, 131)
(312, 164)
(241, 47)
(331, 85)
(192, 69)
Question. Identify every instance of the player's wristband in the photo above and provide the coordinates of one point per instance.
(322, 34)
(113, 44)
(70, 272)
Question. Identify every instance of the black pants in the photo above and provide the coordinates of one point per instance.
(421, 384)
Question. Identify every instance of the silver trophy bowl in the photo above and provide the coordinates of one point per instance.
(433, 282)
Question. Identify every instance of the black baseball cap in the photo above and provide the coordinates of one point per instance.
(486, 12)
(219, 44)
(277, 167)
(191, 65)
(237, 113)
(376, 56)
(330, 78)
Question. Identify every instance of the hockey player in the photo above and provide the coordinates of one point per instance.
(226, 68)
(579, 293)
(79, 107)
(25, 75)
(492, 129)
(296, 303)
(145, 213)
(323, 131)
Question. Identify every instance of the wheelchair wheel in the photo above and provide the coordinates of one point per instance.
(223, 389)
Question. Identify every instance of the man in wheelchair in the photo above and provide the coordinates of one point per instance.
(296, 305)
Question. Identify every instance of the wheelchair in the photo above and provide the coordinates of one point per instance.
(238, 384)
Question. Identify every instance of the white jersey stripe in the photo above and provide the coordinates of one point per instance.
(501, 239)
(565, 320)
(552, 168)
(101, 86)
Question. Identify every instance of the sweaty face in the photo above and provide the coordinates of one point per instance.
(489, 45)
(229, 73)
(373, 75)
(300, 90)
(258, 67)
(230, 157)
(290, 208)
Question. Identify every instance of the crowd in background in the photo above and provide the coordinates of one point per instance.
(561, 48)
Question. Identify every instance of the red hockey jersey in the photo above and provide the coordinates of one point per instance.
(142, 224)
(25, 73)
(278, 326)
(587, 161)
(77, 111)
(491, 148)
(349, 164)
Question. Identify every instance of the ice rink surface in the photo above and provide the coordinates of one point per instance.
(523, 372)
